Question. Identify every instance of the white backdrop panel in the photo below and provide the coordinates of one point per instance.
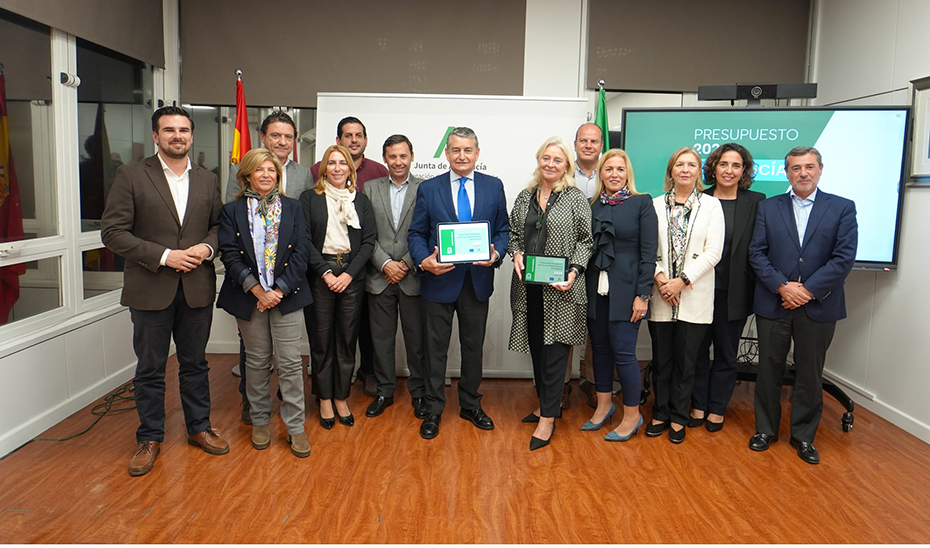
(509, 130)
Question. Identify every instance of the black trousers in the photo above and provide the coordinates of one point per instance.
(548, 359)
(151, 336)
(714, 381)
(332, 327)
(811, 341)
(383, 309)
(366, 349)
(676, 345)
(473, 320)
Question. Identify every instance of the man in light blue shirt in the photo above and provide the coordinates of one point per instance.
(391, 283)
(803, 247)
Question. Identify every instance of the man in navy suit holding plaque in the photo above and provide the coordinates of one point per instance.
(803, 247)
(460, 195)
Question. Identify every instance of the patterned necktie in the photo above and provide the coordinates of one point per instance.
(464, 204)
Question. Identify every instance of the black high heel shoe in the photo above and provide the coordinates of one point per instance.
(536, 443)
(347, 421)
(327, 423)
(531, 418)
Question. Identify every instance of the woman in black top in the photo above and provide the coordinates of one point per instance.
(550, 217)
(730, 170)
(342, 231)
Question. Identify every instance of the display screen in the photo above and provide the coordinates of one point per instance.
(863, 153)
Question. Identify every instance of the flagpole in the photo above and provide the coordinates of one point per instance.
(239, 76)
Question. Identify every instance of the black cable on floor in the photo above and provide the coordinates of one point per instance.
(112, 405)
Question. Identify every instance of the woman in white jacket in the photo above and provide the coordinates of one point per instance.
(691, 231)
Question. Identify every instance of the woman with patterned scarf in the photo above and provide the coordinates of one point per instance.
(619, 286)
(342, 231)
(691, 231)
(263, 245)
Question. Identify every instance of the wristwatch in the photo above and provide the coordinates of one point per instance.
(684, 278)
(645, 297)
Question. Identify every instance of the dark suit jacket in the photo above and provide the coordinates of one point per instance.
(392, 240)
(362, 241)
(140, 222)
(434, 206)
(625, 242)
(742, 279)
(821, 264)
(238, 255)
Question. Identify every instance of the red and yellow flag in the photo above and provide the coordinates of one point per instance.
(242, 138)
(11, 213)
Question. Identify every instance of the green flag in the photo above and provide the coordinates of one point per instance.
(600, 119)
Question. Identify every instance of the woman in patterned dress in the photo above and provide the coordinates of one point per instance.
(263, 245)
(619, 288)
(691, 230)
(550, 217)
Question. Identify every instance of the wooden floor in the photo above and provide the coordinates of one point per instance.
(379, 482)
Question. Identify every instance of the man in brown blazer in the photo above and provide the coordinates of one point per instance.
(162, 216)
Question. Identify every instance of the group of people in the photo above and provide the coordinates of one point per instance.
(344, 248)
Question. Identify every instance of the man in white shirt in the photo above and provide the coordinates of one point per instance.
(589, 142)
(162, 216)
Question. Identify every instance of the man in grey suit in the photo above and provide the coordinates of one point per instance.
(391, 283)
(279, 135)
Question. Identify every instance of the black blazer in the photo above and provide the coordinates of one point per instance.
(362, 241)
(238, 256)
(742, 279)
(625, 243)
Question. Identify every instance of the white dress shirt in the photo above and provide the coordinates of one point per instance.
(179, 185)
(584, 181)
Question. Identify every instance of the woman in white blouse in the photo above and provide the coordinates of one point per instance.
(342, 231)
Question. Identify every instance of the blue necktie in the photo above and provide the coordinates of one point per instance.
(464, 204)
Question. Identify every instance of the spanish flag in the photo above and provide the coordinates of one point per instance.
(11, 213)
(242, 138)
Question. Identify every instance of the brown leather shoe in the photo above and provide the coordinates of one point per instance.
(369, 383)
(246, 411)
(144, 459)
(209, 441)
(566, 392)
(588, 390)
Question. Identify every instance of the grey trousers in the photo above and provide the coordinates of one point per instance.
(266, 333)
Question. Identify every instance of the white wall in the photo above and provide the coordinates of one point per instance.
(45, 383)
(866, 52)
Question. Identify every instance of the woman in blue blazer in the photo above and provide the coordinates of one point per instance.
(263, 245)
(619, 285)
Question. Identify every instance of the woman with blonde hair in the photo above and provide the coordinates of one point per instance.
(619, 288)
(691, 230)
(550, 217)
(342, 231)
(263, 246)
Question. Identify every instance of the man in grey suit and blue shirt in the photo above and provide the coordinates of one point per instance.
(391, 283)
(279, 135)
